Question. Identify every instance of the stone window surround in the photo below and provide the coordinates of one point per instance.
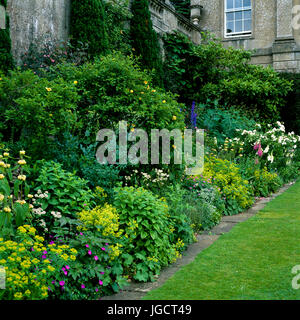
(237, 37)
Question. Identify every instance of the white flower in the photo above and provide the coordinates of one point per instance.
(271, 158)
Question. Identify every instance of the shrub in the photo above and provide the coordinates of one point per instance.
(6, 59)
(34, 110)
(262, 181)
(144, 38)
(67, 193)
(31, 265)
(147, 226)
(88, 25)
(226, 176)
(210, 71)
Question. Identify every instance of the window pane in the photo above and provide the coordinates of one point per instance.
(238, 26)
(230, 27)
(229, 4)
(247, 15)
(248, 25)
(238, 3)
(247, 3)
(239, 15)
(230, 16)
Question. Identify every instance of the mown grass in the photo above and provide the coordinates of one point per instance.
(251, 262)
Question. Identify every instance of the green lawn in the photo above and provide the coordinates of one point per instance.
(253, 261)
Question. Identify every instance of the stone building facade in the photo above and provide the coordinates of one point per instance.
(261, 25)
(33, 20)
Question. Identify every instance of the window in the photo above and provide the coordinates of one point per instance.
(238, 17)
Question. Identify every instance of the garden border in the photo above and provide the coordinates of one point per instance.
(136, 291)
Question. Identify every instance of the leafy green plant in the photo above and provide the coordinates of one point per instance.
(67, 193)
(14, 193)
(210, 71)
(34, 110)
(147, 226)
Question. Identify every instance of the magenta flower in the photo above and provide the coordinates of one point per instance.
(45, 252)
(61, 283)
(101, 272)
(66, 273)
(96, 289)
(67, 267)
(63, 269)
(82, 286)
(260, 152)
(90, 252)
(103, 249)
(44, 257)
(100, 282)
(51, 242)
(81, 233)
(96, 258)
(87, 246)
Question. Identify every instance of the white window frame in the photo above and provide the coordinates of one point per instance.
(242, 33)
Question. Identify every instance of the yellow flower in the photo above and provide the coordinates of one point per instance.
(131, 91)
(7, 166)
(1, 197)
(50, 115)
(27, 292)
(30, 196)
(2, 176)
(164, 101)
(146, 82)
(48, 89)
(22, 152)
(2, 164)
(18, 295)
(72, 257)
(6, 154)
(7, 209)
(22, 177)
(153, 90)
(174, 118)
(21, 162)
(75, 82)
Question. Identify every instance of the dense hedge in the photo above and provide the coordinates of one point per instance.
(88, 25)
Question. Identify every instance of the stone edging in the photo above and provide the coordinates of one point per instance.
(136, 291)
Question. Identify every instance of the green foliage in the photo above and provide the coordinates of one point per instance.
(262, 181)
(6, 59)
(226, 176)
(14, 191)
(145, 220)
(34, 110)
(114, 88)
(88, 26)
(31, 265)
(221, 123)
(182, 7)
(144, 38)
(210, 71)
(117, 16)
(67, 193)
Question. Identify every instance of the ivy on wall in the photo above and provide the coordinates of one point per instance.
(6, 59)
(88, 26)
(182, 7)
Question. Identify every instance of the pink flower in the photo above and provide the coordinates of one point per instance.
(61, 283)
(82, 286)
(260, 152)
(96, 258)
(87, 245)
(63, 269)
(66, 273)
(103, 249)
(96, 289)
(257, 146)
(67, 267)
(101, 272)
(100, 282)
(90, 252)
(81, 233)
(44, 257)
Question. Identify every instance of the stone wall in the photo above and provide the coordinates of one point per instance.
(274, 40)
(42, 20)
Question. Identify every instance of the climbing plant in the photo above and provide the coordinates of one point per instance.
(182, 7)
(6, 59)
(88, 26)
(144, 38)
